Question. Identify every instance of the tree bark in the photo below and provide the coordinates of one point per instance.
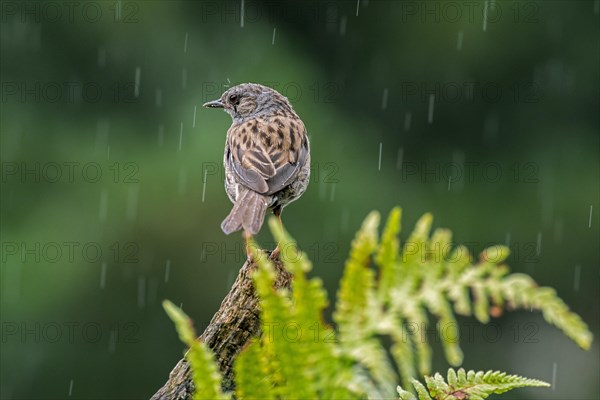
(230, 329)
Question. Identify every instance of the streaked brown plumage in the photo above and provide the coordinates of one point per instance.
(267, 155)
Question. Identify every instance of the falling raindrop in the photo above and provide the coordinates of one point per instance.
(112, 341)
(161, 134)
(384, 99)
(152, 291)
(242, 14)
(491, 128)
(596, 7)
(167, 270)
(449, 182)
(343, 24)
(101, 57)
(185, 42)
(345, 220)
(407, 120)
(485, 15)
(132, 202)
(118, 10)
(103, 209)
(470, 90)
(357, 6)
(180, 135)
(554, 369)
(141, 294)
(194, 120)
(577, 278)
(590, 218)
(400, 158)
(332, 195)
(102, 130)
(459, 40)
(183, 181)
(507, 239)
(183, 78)
(380, 152)
(430, 112)
(538, 247)
(204, 185)
(273, 40)
(547, 199)
(136, 88)
(103, 276)
(71, 388)
(458, 161)
(158, 97)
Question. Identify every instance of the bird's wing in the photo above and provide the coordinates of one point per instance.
(266, 155)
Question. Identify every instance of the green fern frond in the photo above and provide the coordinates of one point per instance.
(402, 351)
(295, 340)
(470, 385)
(252, 374)
(356, 286)
(522, 292)
(358, 311)
(430, 276)
(388, 253)
(420, 389)
(207, 379)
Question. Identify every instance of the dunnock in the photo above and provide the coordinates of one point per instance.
(267, 155)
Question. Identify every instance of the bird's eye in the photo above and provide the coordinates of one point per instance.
(234, 99)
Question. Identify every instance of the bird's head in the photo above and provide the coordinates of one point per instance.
(251, 100)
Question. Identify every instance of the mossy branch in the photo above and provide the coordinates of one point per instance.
(231, 329)
(205, 375)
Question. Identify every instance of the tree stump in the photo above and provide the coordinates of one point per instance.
(230, 329)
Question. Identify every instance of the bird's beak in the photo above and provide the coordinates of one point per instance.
(214, 104)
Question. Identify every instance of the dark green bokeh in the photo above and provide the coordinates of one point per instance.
(510, 153)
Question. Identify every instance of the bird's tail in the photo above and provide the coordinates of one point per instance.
(248, 213)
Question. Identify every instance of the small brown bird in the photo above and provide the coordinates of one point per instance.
(267, 155)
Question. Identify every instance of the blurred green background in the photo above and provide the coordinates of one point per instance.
(112, 185)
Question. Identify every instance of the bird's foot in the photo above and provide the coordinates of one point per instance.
(275, 253)
(248, 238)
